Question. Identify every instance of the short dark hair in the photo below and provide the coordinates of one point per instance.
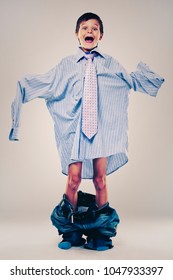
(86, 17)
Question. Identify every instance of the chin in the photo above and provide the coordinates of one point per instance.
(89, 48)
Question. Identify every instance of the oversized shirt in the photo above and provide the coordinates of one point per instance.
(62, 89)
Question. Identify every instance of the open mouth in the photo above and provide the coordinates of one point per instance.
(89, 39)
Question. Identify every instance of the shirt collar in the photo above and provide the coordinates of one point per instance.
(80, 54)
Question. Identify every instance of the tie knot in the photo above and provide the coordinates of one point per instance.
(90, 56)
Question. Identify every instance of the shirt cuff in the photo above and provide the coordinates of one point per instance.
(14, 134)
(153, 77)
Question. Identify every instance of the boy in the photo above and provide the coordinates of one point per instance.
(83, 156)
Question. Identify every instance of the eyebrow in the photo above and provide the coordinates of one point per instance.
(95, 24)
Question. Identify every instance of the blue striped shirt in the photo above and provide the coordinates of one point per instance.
(62, 89)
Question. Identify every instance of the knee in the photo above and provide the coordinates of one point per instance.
(100, 182)
(74, 182)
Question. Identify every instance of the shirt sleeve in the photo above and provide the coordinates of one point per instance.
(145, 80)
(28, 88)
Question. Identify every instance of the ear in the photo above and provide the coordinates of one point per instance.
(101, 36)
(77, 37)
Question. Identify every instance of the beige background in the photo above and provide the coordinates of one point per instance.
(34, 36)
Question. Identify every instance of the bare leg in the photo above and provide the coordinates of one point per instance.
(73, 182)
(99, 180)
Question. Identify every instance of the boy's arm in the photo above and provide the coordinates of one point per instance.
(28, 88)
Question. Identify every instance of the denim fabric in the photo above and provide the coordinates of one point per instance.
(101, 223)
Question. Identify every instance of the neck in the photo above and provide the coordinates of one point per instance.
(89, 50)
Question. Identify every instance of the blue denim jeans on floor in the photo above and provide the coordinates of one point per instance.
(92, 222)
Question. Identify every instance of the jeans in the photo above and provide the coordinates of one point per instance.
(96, 224)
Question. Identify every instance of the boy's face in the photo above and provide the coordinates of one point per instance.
(89, 34)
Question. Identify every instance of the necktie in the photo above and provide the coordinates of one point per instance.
(89, 110)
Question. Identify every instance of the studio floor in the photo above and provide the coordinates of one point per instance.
(149, 239)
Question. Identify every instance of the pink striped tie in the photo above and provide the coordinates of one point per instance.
(89, 110)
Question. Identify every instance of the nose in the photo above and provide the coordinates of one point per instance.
(90, 30)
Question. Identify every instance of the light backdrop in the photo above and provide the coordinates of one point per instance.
(34, 36)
